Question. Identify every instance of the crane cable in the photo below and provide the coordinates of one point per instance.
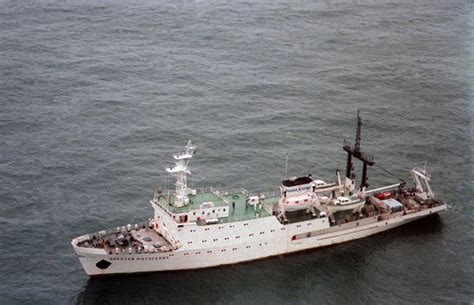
(389, 172)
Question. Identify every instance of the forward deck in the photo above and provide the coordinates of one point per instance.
(139, 238)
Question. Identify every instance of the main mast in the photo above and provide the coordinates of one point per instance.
(355, 151)
(181, 171)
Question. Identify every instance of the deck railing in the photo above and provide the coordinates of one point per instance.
(165, 198)
(269, 194)
(104, 234)
(259, 213)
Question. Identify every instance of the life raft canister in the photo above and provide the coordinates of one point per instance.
(384, 195)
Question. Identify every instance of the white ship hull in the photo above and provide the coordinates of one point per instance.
(241, 242)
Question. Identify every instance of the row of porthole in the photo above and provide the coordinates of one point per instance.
(138, 258)
(223, 250)
(166, 257)
(233, 226)
(233, 249)
(299, 226)
(250, 235)
(144, 253)
(220, 228)
(227, 238)
(203, 213)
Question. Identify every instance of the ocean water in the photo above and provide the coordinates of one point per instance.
(95, 96)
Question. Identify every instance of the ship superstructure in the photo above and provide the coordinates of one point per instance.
(200, 228)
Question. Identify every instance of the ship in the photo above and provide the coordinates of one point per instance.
(195, 228)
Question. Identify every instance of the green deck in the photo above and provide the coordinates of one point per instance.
(242, 211)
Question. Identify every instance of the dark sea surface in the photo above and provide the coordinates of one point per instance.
(95, 96)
